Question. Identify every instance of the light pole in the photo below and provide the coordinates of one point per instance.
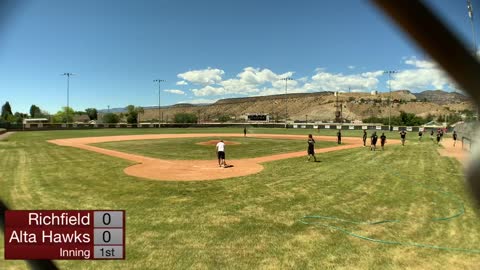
(470, 15)
(389, 72)
(159, 87)
(68, 74)
(286, 79)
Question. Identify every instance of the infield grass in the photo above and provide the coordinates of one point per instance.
(253, 221)
(188, 148)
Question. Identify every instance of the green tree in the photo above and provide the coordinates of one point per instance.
(224, 118)
(111, 118)
(132, 114)
(35, 111)
(454, 118)
(18, 117)
(6, 111)
(185, 118)
(63, 116)
(92, 113)
(429, 118)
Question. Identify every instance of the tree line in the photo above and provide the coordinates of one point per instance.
(410, 119)
(62, 116)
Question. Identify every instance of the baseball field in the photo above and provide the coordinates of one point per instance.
(405, 207)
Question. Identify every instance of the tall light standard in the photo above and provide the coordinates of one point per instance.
(159, 87)
(470, 15)
(286, 79)
(68, 74)
(389, 72)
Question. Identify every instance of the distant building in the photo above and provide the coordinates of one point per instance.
(374, 92)
(433, 125)
(258, 117)
(80, 119)
(35, 120)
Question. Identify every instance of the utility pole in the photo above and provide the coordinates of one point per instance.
(159, 88)
(470, 15)
(286, 79)
(68, 74)
(390, 72)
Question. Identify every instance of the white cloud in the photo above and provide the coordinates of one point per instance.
(199, 101)
(208, 91)
(256, 76)
(325, 81)
(175, 91)
(423, 75)
(204, 77)
(181, 83)
(358, 91)
(372, 74)
(251, 81)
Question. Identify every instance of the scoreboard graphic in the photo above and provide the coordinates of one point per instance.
(65, 235)
(258, 117)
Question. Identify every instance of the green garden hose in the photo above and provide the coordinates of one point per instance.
(459, 212)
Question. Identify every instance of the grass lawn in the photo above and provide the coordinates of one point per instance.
(255, 221)
(187, 148)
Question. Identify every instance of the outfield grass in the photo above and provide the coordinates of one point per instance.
(254, 221)
(188, 148)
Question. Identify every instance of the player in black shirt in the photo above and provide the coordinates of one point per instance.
(364, 138)
(454, 138)
(431, 135)
(311, 148)
(339, 137)
(420, 135)
(383, 140)
(438, 137)
(403, 134)
(373, 141)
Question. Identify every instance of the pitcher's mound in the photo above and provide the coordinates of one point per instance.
(214, 142)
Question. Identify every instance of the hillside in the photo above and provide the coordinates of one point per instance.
(321, 106)
(441, 97)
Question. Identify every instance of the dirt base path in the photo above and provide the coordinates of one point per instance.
(454, 151)
(196, 170)
(5, 135)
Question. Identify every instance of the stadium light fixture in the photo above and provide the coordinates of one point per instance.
(390, 72)
(68, 74)
(470, 15)
(159, 87)
(286, 79)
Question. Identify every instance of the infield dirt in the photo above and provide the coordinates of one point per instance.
(198, 170)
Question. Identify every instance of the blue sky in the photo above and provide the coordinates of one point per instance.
(206, 50)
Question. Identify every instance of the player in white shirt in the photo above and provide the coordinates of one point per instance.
(220, 148)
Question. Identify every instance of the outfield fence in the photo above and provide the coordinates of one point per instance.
(467, 133)
(314, 126)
